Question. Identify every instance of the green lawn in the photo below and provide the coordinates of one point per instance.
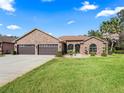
(90, 75)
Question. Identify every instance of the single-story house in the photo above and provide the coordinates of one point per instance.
(41, 43)
(6, 44)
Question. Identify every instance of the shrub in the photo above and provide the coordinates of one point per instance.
(104, 54)
(92, 54)
(75, 52)
(119, 51)
(70, 52)
(59, 54)
(110, 52)
(1, 54)
(14, 52)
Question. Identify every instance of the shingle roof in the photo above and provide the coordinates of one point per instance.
(8, 39)
(36, 30)
(103, 40)
(80, 37)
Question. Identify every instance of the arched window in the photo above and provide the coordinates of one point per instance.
(70, 47)
(93, 48)
(77, 48)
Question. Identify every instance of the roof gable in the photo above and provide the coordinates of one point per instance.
(73, 38)
(96, 38)
(34, 31)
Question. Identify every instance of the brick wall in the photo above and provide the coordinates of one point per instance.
(7, 48)
(37, 37)
(100, 45)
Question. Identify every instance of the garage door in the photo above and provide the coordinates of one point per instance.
(26, 49)
(47, 49)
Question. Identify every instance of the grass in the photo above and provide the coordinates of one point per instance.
(61, 75)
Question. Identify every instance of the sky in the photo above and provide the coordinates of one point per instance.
(56, 17)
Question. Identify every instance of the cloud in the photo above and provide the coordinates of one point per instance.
(1, 24)
(70, 22)
(8, 35)
(50, 33)
(7, 5)
(47, 0)
(13, 27)
(109, 12)
(87, 6)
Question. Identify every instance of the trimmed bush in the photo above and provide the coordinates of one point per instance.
(1, 55)
(14, 52)
(59, 54)
(110, 52)
(92, 54)
(104, 54)
(119, 51)
(70, 52)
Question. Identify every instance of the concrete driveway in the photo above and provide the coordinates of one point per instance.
(13, 66)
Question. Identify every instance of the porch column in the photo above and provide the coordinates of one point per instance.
(16, 48)
(67, 47)
(73, 47)
(36, 49)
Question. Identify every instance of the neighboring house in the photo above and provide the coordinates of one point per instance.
(41, 43)
(6, 44)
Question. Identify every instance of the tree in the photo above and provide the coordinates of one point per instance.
(95, 33)
(110, 30)
(105, 27)
(121, 17)
(121, 40)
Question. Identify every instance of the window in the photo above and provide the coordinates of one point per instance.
(93, 48)
(48, 45)
(70, 47)
(26, 45)
(77, 48)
